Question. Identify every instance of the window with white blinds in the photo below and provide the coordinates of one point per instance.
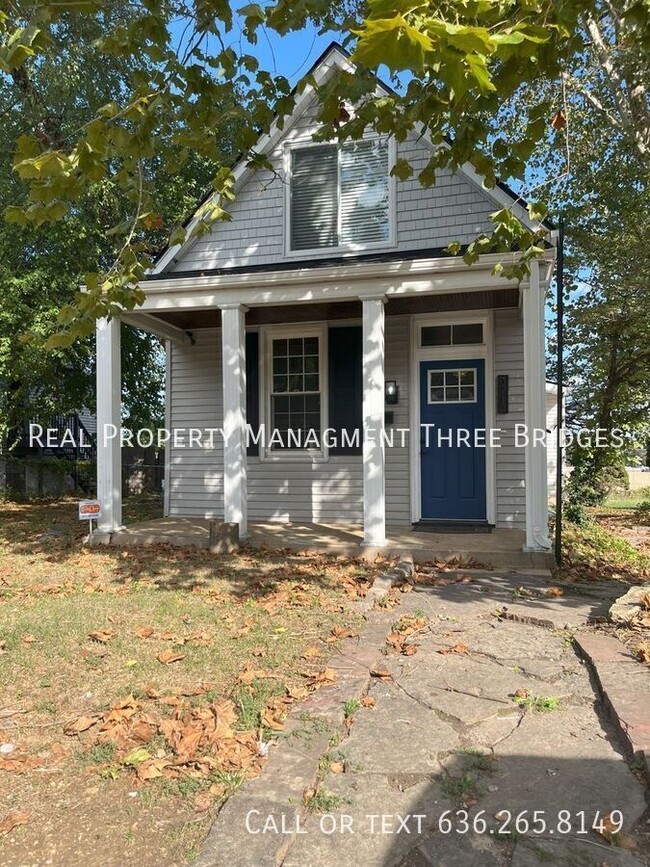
(340, 195)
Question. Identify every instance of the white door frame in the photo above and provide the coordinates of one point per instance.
(419, 353)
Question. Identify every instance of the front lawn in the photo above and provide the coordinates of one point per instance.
(138, 687)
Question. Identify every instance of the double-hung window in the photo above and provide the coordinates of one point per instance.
(339, 196)
(295, 392)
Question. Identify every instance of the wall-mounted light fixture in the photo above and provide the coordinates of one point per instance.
(391, 391)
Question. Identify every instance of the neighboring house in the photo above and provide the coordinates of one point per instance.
(328, 301)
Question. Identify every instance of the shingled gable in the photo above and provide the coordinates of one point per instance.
(177, 259)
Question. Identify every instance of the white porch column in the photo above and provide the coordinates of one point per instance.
(109, 404)
(233, 348)
(535, 412)
(374, 498)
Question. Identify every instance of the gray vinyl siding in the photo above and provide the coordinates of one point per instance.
(325, 492)
(454, 209)
(510, 461)
(196, 474)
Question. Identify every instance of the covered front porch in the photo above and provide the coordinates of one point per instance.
(500, 549)
(215, 324)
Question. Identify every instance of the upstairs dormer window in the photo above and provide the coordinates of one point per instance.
(339, 196)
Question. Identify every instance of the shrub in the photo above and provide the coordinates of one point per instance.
(642, 513)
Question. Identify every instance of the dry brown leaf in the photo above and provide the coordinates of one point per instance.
(20, 764)
(81, 724)
(459, 647)
(271, 719)
(202, 802)
(342, 632)
(368, 701)
(102, 635)
(168, 656)
(409, 649)
(13, 820)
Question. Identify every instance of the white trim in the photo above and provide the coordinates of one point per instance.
(168, 425)
(307, 142)
(373, 415)
(479, 351)
(233, 384)
(267, 334)
(155, 325)
(535, 412)
(109, 406)
(345, 282)
(446, 402)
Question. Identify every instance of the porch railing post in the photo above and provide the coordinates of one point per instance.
(109, 404)
(535, 413)
(374, 496)
(233, 349)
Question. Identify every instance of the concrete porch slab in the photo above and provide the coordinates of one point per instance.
(501, 549)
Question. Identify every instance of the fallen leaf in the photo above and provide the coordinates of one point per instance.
(368, 701)
(81, 724)
(136, 756)
(342, 632)
(168, 656)
(202, 802)
(13, 820)
(102, 635)
(459, 647)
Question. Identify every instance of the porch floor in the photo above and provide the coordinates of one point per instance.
(501, 549)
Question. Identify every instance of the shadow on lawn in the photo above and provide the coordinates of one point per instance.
(51, 532)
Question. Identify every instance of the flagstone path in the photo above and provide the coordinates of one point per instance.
(439, 764)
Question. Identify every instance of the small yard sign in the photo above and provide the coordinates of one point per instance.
(89, 510)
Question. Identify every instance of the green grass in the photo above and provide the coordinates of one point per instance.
(464, 783)
(322, 801)
(350, 707)
(538, 703)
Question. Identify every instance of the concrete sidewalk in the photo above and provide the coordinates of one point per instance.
(439, 763)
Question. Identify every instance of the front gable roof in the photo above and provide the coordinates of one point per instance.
(333, 58)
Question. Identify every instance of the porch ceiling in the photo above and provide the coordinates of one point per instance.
(191, 320)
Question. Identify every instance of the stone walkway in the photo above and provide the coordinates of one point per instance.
(438, 761)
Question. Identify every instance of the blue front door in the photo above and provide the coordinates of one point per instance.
(452, 405)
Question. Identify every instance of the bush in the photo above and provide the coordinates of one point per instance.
(576, 513)
(642, 513)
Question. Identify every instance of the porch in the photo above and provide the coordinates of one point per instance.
(500, 549)
(358, 329)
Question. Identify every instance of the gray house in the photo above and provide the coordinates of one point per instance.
(327, 356)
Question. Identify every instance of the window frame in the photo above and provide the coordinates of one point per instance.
(286, 332)
(446, 402)
(389, 243)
